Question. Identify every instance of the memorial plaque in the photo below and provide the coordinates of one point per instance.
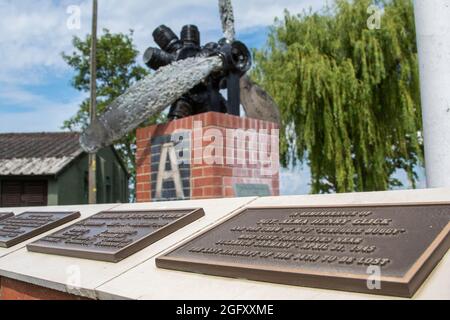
(5, 215)
(114, 235)
(17, 229)
(252, 190)
(345, 248)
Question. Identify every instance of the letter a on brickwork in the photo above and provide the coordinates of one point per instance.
(168, 150)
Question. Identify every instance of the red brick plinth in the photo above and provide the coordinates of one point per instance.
(223, 151)
(17, 290)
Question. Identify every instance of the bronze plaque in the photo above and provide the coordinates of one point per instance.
(388, 250)
(252, 190)
(5, 215)
(27, 225)
(114, 235)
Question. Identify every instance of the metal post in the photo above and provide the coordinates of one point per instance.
(433, 40)
(93, 105)
(234, 94)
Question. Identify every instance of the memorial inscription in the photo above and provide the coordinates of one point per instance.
(388, 250)
(17, 229)
(114, 235)
(6, 215)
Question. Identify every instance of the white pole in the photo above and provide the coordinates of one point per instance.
(433, 40)
(92, 176)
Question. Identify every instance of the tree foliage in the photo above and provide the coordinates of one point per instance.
(117, 70)
(349, 96)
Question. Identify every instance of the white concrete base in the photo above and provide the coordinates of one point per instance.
(137, 277)
(81, 277)
(146, 281)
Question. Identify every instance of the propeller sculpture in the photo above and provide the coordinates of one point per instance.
(188, 78)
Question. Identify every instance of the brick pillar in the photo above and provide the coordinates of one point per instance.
(211, 155)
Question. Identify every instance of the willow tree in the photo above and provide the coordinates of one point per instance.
(348, 94)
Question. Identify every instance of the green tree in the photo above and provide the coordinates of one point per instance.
(117, 70)
(349, 95)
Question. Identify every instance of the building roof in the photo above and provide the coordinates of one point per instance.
(37, 153)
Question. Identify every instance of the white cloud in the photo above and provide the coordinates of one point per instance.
(34, 33)
(35, 122)
(40, 113)
(144, 16)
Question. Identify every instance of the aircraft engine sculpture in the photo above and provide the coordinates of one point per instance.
(188, 77)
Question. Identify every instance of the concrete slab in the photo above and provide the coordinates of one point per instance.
(82, 277)
(423, 196)
(146, 281)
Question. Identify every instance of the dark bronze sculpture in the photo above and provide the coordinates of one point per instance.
(205, 96)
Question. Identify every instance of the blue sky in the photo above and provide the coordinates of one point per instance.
(35, 91)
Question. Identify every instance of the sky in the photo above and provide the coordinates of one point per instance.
(35, 90)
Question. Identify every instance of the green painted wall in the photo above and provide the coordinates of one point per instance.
(112, 180)
(52, 199)
(70, 185)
